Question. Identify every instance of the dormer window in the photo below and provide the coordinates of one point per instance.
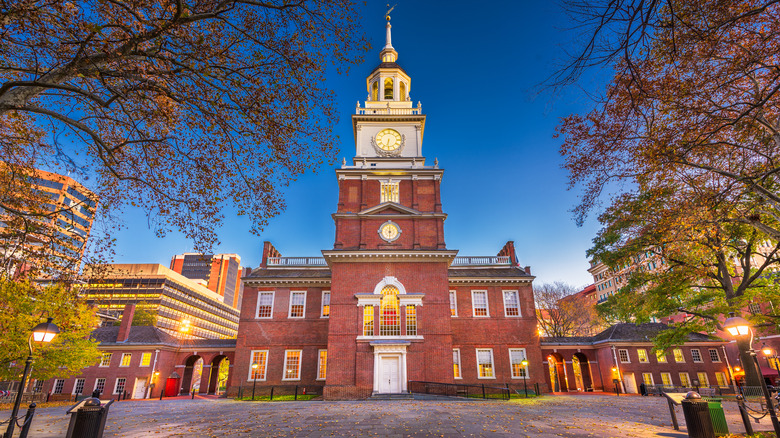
(388, 89)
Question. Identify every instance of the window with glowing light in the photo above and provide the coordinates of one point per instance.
(292, 365)
(368, 320)
(511, 303)
(720, 377)
(703, 379)
(259, 357)
(375, 91)
(411, 320)
(666, 378)
(389, 192)
(78, 388)
(456, 363)
(479, 303)
(389, 313)
(647, 378)
(388, 89)
(119, 387)
(322, 364)
(453, 303)
(678, 355)
(146, 359)
(485, 363)
(325, 304)
(126, 358)
(685, 381)
(660, 356)
(297, 304)
(265, 304)
(642, 354)
(403, 91)
(516, 358)
(105, 359)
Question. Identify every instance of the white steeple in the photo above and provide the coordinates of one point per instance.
(388, 53)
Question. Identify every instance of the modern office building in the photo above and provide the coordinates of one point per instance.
(220, 273)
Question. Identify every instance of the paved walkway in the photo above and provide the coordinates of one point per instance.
(551, 416)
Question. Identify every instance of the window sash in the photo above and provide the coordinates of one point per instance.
(678, 355)
(516, 358)
(119, 386)
(456, 363)
(100, 384)
(703, 379)
(368, 320)
(325, 312)
(623, 355)
(126, 358)
(58, 385)
(511, 303)
(260, 357)
(297, 304)
(714, 355)
(647, 378)
(292, 365)
(265, 304)
(720, 377)
(322, 364)
(642, 354)
(696, 355)
(660, 356)
(479, 303)
(78, 387)
(453, 303)
(146, 359)
(485, 364)
(666, 378)
(411, 320)
(685, 380)
(105, 359)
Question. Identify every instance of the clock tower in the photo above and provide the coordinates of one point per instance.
(389, 286)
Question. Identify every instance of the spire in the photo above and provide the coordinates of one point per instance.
(388, 53)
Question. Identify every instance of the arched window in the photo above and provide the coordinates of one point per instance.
(389, 88)
(375, 90)
(403, 91)
(389, 315)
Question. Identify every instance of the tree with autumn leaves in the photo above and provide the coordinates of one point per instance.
(682, 152)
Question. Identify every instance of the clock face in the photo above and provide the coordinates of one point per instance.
(388, 139)
(389, 231)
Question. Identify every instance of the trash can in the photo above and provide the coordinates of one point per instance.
(88, 419)
(697, 416)
(718, 417)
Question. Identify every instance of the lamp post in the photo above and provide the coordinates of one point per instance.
(773, 353)
(254, 379)
(43, 332)
(525, 377)
(740, 329)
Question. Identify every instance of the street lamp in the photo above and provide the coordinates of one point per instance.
(740, 329)
(43, 332)
(770, 352)
(254, 379)
(525, 376)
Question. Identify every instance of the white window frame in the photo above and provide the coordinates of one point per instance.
(273, 302)
(454, 303)
(639, 356)
(487, 304)
(512, 369)
(116, 385)
(265, 371)
(76, 385)
(682, 355)
(54, 386)
(517, 297)
(669, 375)
(97, 380)
(460, 367)
(322, 304)
(659, 355)
(145, 356)
(688, 377)
(620, 355)
(492, 364)
(129, 361)
(103, 357)
(706, 382)
(693, 356)
(290, 304)
(319, 364)
(652, 381)
(717, 354)
(725, 379)
(300, 362)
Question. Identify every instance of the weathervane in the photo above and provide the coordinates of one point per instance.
(387, 14)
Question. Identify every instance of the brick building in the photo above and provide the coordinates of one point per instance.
(624, 352)
(389, 303)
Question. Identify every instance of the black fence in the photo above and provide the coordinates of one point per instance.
(280, 392)
(711, 391)
(460, 390)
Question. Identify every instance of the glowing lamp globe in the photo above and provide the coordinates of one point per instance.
(737, 326)
(45, 331)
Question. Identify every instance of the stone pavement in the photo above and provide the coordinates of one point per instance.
(551, 416)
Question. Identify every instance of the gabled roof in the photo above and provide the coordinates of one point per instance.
(146, 335)
(397, 209)
(625, 332)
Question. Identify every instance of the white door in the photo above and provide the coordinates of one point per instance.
(630, 383)
(390, 382)
(140, 388)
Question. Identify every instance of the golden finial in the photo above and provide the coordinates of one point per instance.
(387, 14)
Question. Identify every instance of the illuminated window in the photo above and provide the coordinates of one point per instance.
(389, 317)
(78, 388)
(456, 363)
(714, 356)
(661, 356)
(322, 364)
(642, 353)
(119, 387)
(485, 363)
(126, 357)
(325, 304)
(479, 302)
(666, 378)
(403, 91)
(511, 303)
(368, 320)
(721, 379)
(297, 304)
(375, 91)
(105, 360)
(265, 304)
(259, 357)
(516, 358)
(146, 359)
(647, 378)
(685, 381)
(388, 89)
(292, 365)
(453, 303)
(703, 380)
(411, 320)
(389, 192)
(678, 355)
(623, 355)
(696, 355)
(58, 385)
(100, 385)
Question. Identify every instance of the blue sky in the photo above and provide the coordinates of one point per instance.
(476, 71)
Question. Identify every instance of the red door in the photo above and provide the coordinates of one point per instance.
(171, 387)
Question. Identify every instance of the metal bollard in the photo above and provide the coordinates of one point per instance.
(162, 394)
(697, 416)
(28, 417)
(743, 413)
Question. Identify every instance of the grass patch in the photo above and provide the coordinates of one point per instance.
(301, 397)
(25, 405)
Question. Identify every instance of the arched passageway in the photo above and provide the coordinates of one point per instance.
(193, 368)
(582, 375)
(557, 373)
(220, 366)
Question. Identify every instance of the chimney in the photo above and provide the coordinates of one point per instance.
(268, 251)
(509, 251)
(528, 270)
(126, 323)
